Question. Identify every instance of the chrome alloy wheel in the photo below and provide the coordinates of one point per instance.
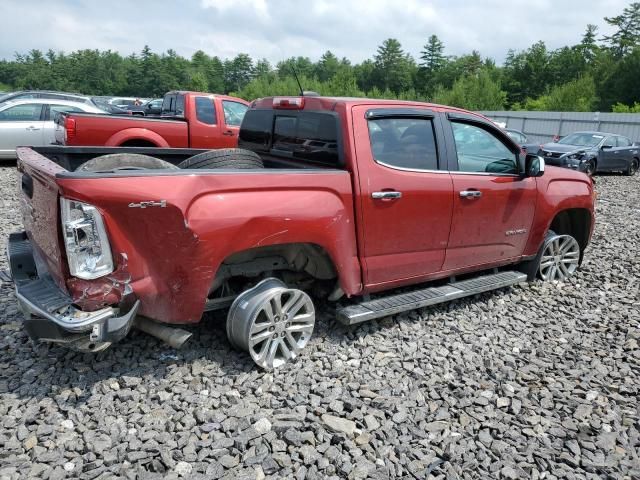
(560, 258)
(272, 322)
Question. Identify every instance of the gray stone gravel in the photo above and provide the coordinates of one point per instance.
(539, 381)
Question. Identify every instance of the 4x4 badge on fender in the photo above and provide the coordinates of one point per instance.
(150, 203)
(519, 231)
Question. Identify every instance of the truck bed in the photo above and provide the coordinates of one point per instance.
(101, 128)
(70, 158)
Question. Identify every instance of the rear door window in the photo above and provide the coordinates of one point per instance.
(56, 109)
(407, 143)
(205, 110)
(624, 142)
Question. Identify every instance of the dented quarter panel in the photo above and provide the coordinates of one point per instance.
(174, 251)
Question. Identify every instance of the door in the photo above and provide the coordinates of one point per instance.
(20, 125)
(621, 154)
(233, 114)
(493, 205)
(49, 126)
(405, 195)
(609, 155)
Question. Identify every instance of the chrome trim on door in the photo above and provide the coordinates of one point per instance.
(386, 195)
(470, 194)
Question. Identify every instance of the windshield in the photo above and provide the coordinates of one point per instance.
(582, 139)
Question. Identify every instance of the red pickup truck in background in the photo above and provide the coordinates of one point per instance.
(188, 120)
(347, 199)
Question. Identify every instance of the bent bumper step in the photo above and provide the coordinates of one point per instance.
(403, 302)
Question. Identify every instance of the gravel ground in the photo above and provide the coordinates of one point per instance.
(538, 381)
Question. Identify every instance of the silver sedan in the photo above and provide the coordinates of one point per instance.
(30, 122)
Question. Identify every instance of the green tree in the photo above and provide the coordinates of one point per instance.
(433, 60)
(575, 96)
(393, 68)
(473, 92)
(627, 34)
(238, 72)
(327, 67)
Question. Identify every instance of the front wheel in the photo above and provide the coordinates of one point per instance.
(560, 257)
(590, 167)
(633, 167)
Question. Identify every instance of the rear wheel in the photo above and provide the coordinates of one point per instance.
(271, 322)
(224, 158)
(633, 167)
(124, 161)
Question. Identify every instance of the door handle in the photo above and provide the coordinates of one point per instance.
(386, 195)
(229, 133)
(470, 194)
(31, 128)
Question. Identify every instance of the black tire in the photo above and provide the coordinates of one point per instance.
(124, 161)
(224, 158)
(591, 167)
(530, 267)
(633, 167)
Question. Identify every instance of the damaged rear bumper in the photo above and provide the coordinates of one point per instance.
(50, 314)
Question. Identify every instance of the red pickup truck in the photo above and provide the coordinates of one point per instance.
(188, 119)
(345, 198)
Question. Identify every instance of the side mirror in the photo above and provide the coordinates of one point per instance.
(534, 166)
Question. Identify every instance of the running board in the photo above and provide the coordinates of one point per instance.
(385, 306)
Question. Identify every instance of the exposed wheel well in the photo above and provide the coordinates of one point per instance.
(307, 259)
(138, 143)
(575, 222)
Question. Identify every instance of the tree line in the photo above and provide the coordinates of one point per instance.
(597, 73)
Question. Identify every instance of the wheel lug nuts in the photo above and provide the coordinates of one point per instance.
(271, 329)
(288, 325)
(282, 334)
(275, 335)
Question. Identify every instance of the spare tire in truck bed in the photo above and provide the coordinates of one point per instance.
(224, 158)
(124, 161)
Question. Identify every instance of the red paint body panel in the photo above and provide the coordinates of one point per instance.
(480, 225)
(169, 256)
(113, 130)
(173, 253)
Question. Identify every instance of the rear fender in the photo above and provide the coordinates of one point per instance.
(299, 216)
(136, 134)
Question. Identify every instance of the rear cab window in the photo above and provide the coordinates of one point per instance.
(309, 136)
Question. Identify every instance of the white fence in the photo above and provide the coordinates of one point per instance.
(543, 126)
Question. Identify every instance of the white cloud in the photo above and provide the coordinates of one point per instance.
(277, 29)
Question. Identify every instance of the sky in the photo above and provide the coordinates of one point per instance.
(278, 29)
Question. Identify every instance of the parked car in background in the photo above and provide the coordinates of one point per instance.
(31, 122)
(522, 140)
(188, 119)
(592, 152)
(152, 107)
(50, 94)
(126, 102)
(103, 104)
(347, 198)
